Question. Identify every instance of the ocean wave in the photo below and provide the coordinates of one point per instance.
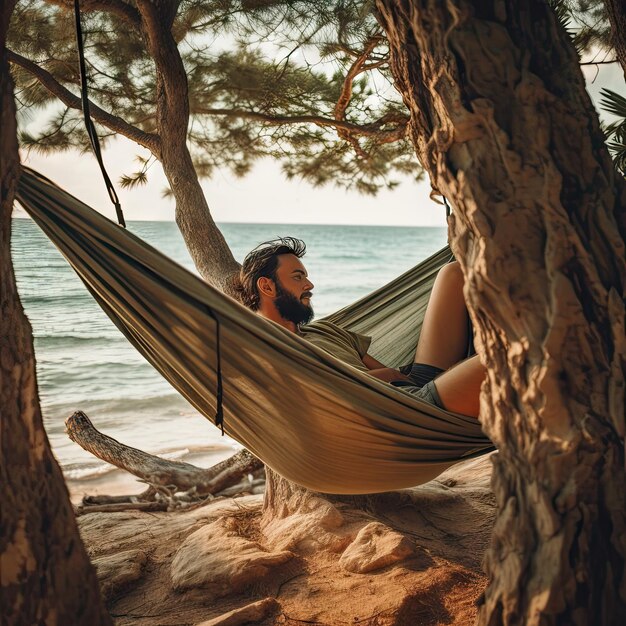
(73, 340)
(117, 408)
(75, 295)
(87, 472)
(118, 366)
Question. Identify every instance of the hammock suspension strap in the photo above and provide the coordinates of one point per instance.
(219, 394)
(91, 129)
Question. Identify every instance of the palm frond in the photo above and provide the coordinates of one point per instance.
(563, 14)
(613, 103)
(615, 132)
(618, 152)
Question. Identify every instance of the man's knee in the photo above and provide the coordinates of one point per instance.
(451, 273)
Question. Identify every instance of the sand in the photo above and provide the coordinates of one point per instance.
(403, 558)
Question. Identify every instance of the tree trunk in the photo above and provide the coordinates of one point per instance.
(206, 244)
(45, 575)
(616, 10)
(501, 121)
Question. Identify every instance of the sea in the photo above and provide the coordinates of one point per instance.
(85, 363)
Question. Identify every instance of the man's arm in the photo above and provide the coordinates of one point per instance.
(378, 370)
(372, 364)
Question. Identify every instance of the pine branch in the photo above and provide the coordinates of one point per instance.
(617, 18)
(368, 130)
(355, 69)
(599, 62)
(115, 7)
(343, 101)
(112, 122)
(172, 87)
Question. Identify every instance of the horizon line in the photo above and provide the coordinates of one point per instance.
(27, 217)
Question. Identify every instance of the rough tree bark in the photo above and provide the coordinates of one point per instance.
(503, 124)
(616, 10)
(45, 575)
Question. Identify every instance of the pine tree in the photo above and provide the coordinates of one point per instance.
(302, 82)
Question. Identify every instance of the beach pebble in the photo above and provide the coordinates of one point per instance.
(218, 559)
(116, 571)
(375, 547)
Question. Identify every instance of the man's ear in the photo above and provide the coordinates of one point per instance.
(266, 286)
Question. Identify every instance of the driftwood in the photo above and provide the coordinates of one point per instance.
(164, 477)
(144, 496)
(127, 506)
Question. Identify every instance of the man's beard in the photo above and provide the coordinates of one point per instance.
(290, 308)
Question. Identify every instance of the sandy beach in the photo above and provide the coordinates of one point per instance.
(408, 557)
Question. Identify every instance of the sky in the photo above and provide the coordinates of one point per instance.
(264, 195)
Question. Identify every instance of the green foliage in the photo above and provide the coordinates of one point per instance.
(252, 66)
(139, 177)
(615, 132)
(587, 23)
(593, 28)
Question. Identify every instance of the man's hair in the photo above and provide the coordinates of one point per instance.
(263, 261)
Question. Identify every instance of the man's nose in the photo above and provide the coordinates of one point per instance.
(310, 285)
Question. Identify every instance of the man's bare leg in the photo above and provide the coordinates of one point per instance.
(443, 340)
(443, 344)
(459, 387)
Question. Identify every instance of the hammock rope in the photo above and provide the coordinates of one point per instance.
(89, 125)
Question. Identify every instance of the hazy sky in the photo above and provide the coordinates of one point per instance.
(265, 195)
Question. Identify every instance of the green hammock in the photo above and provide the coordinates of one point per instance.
(307, 415)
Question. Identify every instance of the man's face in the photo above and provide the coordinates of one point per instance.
(293, 290)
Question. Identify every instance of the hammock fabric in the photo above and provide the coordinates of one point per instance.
(307, 415)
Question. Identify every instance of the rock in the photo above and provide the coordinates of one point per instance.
(375, 547)
(255, 612)
(116, 571)
(311, 525)
(218, 559)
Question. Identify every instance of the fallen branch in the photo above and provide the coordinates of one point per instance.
(174, 475)
(144, 496)
(244, 487)
(116, 508)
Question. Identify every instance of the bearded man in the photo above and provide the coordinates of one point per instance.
(274, 282)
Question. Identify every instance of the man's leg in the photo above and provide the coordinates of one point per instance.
(443, 340)
(459, 387)
(443, 344)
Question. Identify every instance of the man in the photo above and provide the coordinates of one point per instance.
(274, 282)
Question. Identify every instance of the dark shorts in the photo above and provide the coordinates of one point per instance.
(422, 385)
